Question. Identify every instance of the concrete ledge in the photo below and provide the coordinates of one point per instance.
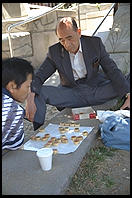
(22, 175)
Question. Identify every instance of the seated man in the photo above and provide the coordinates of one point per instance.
(77, 59)
(16, 79)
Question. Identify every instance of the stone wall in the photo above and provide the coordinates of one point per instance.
(14, 10)
(38, 35)
(118, 41)
(43, 34)
(35, 37)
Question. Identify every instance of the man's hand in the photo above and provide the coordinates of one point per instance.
(30, 107)
(126, 103)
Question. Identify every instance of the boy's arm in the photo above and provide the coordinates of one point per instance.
(47, 68)
(30, 106)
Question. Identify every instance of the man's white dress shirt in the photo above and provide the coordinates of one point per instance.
(78, 65)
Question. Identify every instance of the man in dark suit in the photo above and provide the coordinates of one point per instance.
(77, 58)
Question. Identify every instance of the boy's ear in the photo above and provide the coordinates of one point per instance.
(11, 86)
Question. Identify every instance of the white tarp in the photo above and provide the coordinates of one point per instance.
(52, 129)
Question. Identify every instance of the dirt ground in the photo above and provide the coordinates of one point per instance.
(110, 176)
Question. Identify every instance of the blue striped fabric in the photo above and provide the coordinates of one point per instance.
(12, 123)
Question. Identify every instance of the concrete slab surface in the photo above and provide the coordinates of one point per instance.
(21, 172)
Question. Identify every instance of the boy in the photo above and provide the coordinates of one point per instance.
(17, 75)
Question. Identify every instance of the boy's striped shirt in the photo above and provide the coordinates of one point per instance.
(12, 123)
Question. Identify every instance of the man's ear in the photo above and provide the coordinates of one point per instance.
(11, 86)
(79, 31)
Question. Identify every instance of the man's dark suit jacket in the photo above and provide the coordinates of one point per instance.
(94, 54)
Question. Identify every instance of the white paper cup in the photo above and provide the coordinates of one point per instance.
(45, 158)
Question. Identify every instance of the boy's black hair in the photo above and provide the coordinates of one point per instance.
(15, 69)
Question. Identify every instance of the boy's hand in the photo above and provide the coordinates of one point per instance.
(30, 107)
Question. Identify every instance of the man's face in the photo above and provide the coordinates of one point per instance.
(69, 38)
(20, 94)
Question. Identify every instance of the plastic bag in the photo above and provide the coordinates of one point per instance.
(115, 132)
